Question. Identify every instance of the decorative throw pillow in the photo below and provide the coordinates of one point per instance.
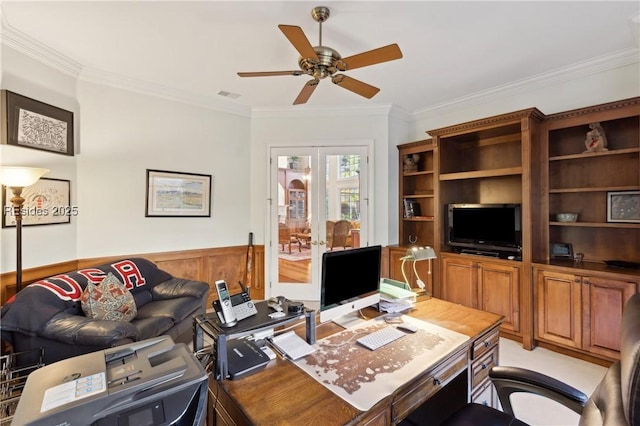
(110, 300)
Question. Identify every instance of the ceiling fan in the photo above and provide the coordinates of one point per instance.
(321, 61)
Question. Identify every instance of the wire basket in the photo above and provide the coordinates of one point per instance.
(13, 379)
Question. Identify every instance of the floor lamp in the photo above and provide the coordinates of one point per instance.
(416, 254)
(16, 179)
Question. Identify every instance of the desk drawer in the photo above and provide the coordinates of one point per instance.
(426, 386)
(485, 395)
(484, 344)
(480, 367)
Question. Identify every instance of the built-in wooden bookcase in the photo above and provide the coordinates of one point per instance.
(579, 181)
(417, 189)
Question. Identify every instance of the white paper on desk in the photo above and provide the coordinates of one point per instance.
(292, 345)
(394, 306)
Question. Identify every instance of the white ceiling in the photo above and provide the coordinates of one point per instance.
(451, 49)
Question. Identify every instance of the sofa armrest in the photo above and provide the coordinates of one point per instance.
(180, 287)
(508, 380)
(80, 330)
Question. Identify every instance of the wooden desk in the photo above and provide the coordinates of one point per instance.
(283, 394)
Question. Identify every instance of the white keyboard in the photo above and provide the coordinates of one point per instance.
(379, 338)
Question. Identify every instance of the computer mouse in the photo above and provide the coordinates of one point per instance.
(408, 327)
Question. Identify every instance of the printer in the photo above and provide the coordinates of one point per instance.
(147, 383)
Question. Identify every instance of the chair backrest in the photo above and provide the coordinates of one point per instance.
(284, 233)
(340, 232)
(630, 360)
(616, 400)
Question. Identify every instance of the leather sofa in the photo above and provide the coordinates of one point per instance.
(48, 313)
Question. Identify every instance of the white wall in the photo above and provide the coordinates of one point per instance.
(120, 134)
(125, 134)
(51, 243)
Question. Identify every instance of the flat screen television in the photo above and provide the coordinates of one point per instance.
(350, 281)
(484, 227)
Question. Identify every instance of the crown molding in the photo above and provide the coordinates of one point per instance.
(19, 41)
(27, 45)
(560, 75)
(322, 111)
(100, 77)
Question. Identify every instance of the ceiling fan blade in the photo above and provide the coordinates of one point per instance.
(299, 40)
(269, 73)
(375, 56)
(356, 86)
(306, 92)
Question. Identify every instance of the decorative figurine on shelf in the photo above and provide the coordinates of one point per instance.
(596, 139)
(411, 163)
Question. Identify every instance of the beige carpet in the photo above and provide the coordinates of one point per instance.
(536, 410)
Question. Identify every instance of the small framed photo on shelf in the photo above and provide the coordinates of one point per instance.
(175, 194)
(411, 208)
(560, 251)
(623, 206)
(33, 124)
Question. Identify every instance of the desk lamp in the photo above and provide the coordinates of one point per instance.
(416, 254)
(16, 179)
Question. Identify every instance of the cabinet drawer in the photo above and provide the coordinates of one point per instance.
(484, 344)
(485, 395)
(426, 386)
(480, 368)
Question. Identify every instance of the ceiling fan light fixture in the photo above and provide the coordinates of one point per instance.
(321, 61)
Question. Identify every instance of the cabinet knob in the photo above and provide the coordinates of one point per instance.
(587, 282)
(436, 381)
(484, 366)
(487, 343)
(577, 280)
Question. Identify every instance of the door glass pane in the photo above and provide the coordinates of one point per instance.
(342, 201)
(294, 215)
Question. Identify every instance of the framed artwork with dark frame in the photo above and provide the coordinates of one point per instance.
(623, 206)
(177, 194)
(47, 202)
(560, 251)
(33, 124)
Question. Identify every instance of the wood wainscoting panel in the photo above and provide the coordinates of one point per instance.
(208, 265)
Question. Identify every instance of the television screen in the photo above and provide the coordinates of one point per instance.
(350, 281)
(484, 226)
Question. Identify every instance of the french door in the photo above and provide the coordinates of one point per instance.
(312, 190)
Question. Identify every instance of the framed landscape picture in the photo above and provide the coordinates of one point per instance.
(176, 194)
(33, 124)
(47, 202)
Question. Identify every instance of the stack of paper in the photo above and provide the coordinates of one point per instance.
(291, 345)
(395, 297)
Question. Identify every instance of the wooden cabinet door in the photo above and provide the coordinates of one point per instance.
(499, 292)
(459, 281)
(602, 304)
(558, 308)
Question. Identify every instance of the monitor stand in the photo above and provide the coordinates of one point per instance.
(351, 319)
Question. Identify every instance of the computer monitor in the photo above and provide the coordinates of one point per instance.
(350, 282)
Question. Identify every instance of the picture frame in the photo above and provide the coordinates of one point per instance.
(47, 202)
(623, 206)
(33, 124)
(560, 251)
(177, 194)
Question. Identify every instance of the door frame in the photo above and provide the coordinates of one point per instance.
(366, 201)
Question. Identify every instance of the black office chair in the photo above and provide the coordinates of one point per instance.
(615, 401)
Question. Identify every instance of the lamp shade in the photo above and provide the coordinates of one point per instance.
(421, 253)
(20, 176)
